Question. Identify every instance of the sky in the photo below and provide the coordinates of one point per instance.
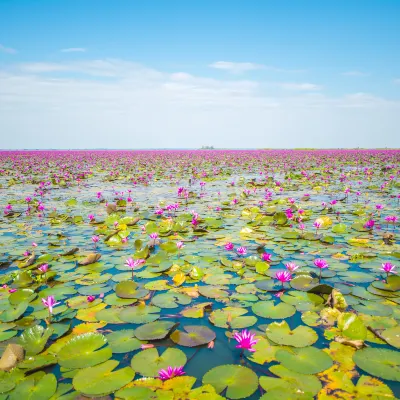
(183, 74)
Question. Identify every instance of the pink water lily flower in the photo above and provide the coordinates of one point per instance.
(43, 268)
(90, 299)
(170, 372)
(229, 246)
(246, 340)
(180, 245)
(242, 251)
(50, 302)
(267, 257)
(291, 266)
(388, 268)
(283, 276)
(321, 264)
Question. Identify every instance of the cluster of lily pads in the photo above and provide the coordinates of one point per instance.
(200, 275)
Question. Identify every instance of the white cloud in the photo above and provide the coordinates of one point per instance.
(8, 50)
(127, 105)
(300, 86)
(355, 73)
(235, 67)
(73, 50)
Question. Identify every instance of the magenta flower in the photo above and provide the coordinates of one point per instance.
(91, 217)
(50, 302)
(321, 264)
(246, 340)
(170, 372)
(133, 264)
(153, 236)
(43, 268)
(291, 267)
(388, 268)
(229, 246)
(242, 251)
(317, 225)
(95, 239)
(283, 276)
(159, 211)
(90, 298)
(180, 245)
(267, 257)
(369, 224)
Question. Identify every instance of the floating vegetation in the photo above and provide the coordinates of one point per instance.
(200, 275)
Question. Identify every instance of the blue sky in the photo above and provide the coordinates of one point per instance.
(140, 74)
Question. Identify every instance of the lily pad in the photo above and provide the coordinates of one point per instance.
(238, 381)
(280, 333)
(154, 330)
(194, 336)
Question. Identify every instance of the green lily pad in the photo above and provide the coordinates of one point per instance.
(102, 379)
(40, 387)
(154, 330)
(34, 339)
(382, 363)
(239, 382)
(123, 341)
(149, 362)
(84, 351)
(130, 290)
(280, 333)
(194, 336)
(171, 300)
(267, 309)
(140, 314)
(392, 336)
(307, 360)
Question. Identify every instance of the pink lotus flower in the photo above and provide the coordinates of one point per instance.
(211, 344)
(291, 267)
(170, 372)
(283, 276)
(369, 224)
(90, 299)
(95, 239)
(34, 244)
(267, 257)
(50, 302)
(246, 340)
(43, 268)
(180, 245)
(321, 264)
(12, 290)
(153, 236)
(229, 246)
(131, 263)
(242, 251)
(388, 268)
(91, 217)
(159, 211)
(317, 225)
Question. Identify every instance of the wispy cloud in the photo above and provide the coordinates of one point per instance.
(73, 50)
(236, 67)
(355, 73)
(242, 67)
(102, 96)
(396, 81)
(300, 86)
(8, 50)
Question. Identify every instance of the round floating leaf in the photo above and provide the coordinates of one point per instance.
(34, 339)
(373, 308)
(392, 336)
(280, 333)
(194, 336)
(232, 317)
(140, 314)
(37, 362)
(382, 363)
(13, 313)
(83, 351)
(392, 284)
(303, 282)
(213, 292)
(123, 341)
(171, 300)
(41, 387)
(102, 379)
(352, 326)
(291, 380)
(267, 309)
(22, 295)
(130, 290)
(308, 360)
(239, 382)
(154, 330)
(149, 362)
